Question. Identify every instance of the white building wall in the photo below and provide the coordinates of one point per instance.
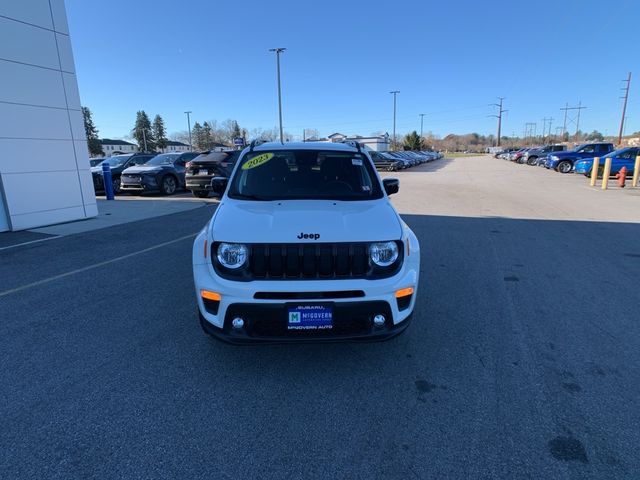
(40, 112)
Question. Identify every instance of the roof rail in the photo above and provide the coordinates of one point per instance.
(255, 143)
(353, 143)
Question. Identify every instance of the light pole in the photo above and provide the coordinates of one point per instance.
(278, 52)
(394, 93)
(421, 122)
(189, 126)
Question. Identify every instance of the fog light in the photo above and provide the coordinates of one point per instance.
(379, 320)
(237, 323)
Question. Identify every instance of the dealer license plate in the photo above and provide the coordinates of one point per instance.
(310, 317)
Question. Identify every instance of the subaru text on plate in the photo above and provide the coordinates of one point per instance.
(305, 245)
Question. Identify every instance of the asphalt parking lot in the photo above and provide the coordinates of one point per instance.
(521, 362)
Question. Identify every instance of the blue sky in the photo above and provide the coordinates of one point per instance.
(449, 59)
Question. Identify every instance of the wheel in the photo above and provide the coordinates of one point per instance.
(115, 183)
(200, 194)
(521, 161)
(168, 185)
(601, 171)
(565, 166)
(532, 161)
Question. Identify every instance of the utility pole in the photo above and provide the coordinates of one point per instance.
(624, 107)
(421, 122)
(575, 120)
(144, 140)
(189, 126)
(499, 117)
(579, 108)
(278, 52)
(558, 132)
(530, 129)
(564, 125)
(394, 93)
(544, 126)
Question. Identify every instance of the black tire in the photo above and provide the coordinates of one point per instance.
(169, 185)
(532, 161)
(601, 171)
(200, 194)
(521, 160)
(565, 166)
(115, 183)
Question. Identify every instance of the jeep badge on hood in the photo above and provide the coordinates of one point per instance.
(311, 236)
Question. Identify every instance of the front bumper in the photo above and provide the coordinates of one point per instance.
(144, 183)
(266, 323)
(263, 304)
(583, 168)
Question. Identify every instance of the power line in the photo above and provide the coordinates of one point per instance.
(624, 107)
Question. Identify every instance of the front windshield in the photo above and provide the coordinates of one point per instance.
(117, 160)
(305, 174)
(164, 159)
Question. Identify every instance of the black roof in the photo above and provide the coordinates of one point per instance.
(171, 143)
(108, 141)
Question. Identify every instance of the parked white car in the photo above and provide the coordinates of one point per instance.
(305, 245)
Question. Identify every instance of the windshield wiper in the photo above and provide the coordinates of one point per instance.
(242, 196)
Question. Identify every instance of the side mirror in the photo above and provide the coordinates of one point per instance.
(219, 185)
(391, 185)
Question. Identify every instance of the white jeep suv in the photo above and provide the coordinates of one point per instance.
(304, 246)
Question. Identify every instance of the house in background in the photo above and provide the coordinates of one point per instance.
(117, 147)
(173, 146)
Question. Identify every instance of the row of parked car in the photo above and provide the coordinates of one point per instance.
(165, 173)
(169, 172)
(578, 160)
(393, 161)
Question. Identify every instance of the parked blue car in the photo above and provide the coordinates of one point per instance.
(625, 157)
(563, 161)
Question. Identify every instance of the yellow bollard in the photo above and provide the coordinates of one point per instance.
(594, 171)
(636, 172)
(606, 174)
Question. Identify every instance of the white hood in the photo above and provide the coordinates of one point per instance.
(284, 221)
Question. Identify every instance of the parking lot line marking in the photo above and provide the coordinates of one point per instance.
(95, 265)
(29, 242)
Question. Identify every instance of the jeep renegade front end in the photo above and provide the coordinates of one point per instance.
(305, 245)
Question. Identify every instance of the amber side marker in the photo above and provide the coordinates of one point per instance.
(404, 292)
(210, 295)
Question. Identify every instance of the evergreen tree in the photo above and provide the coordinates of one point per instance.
(207, 136)
(93, 142)
(142, 132)
(198, 137)
(159, 133)
(413, 141)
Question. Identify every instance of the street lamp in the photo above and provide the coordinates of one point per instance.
(394, 93)
(278, 52)
(189, 126)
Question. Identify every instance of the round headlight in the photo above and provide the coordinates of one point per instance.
(232, 255)
(383, 254)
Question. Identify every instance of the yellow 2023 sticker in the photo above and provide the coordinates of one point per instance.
(257, 161)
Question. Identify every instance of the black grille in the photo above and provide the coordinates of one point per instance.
(308, 261)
